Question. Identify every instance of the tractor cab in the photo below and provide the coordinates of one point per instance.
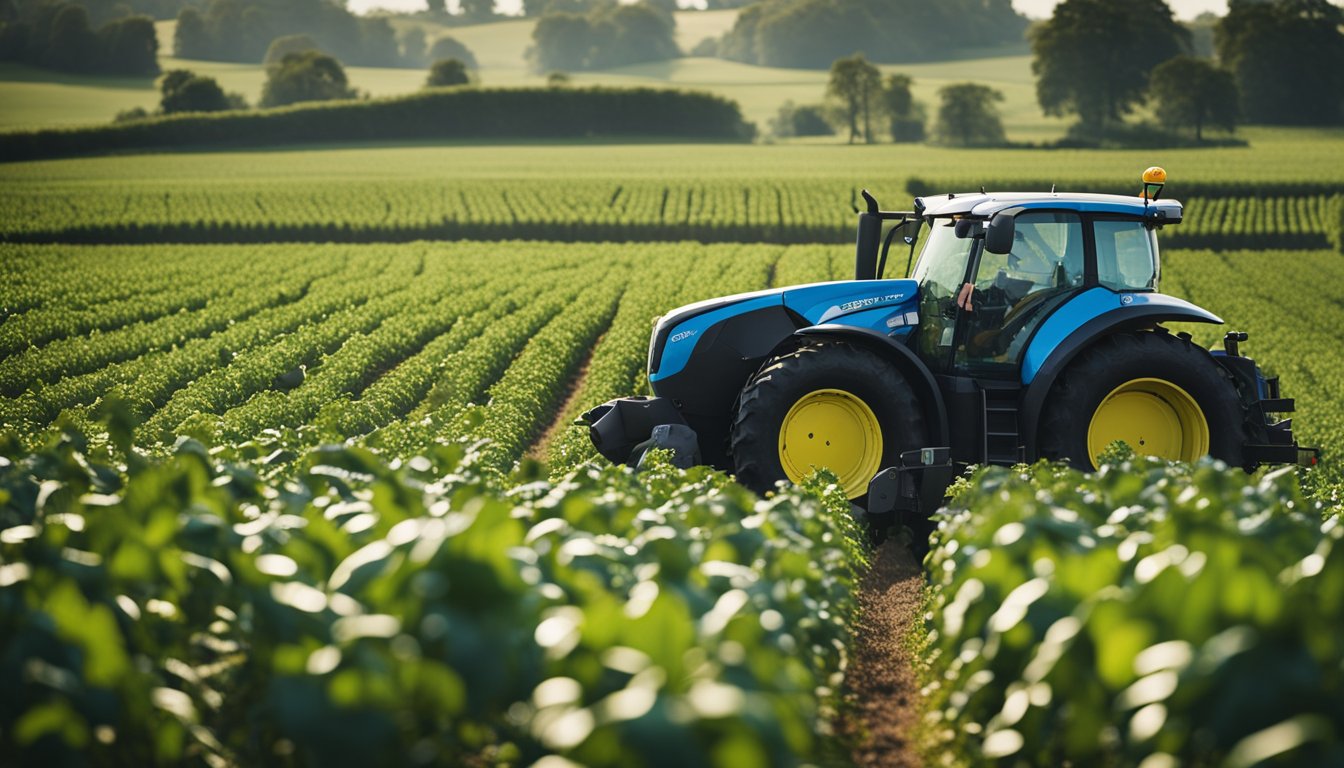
(993, 267)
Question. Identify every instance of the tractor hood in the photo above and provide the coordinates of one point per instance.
(877, 304)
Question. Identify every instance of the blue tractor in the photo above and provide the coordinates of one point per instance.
(1030, 327)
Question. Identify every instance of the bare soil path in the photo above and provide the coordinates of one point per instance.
(880, 673)
(541, 449)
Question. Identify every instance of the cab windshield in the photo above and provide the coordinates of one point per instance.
(940, 272)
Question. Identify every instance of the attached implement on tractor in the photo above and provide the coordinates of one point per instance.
(1029, 328)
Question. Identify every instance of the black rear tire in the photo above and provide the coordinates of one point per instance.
(819, 365)
(1120, 359)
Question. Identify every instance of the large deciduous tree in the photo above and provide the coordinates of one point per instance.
(607, 36)
(73, 45)
(185, 91)
(857, 86)
(130, 46)
(814, 33)
(447, 72)
(905, 115)
(306, 76)
(477, 10)
(1288, 59)
(447, 47)
(1193, 93)
(1093, 57)
(968, 117)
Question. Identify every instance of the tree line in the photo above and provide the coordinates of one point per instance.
(92, 38)
(813, 33)
(605, 35)
(1278, 62)
(242, 30)
(295, 73)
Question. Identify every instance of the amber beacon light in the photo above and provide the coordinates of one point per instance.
(1153, 179)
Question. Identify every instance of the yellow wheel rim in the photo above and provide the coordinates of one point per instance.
(834, 429)
(1155, 417)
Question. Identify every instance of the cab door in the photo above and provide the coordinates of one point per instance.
(1014, 292)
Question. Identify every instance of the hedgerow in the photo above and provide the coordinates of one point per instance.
(439, 113)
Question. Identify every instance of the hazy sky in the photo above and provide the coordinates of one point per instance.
(1185, 9)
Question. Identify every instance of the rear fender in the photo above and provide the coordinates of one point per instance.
(1078, 325)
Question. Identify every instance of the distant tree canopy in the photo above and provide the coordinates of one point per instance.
(447, 72)
(242, 30)
(1288, 60)
(414, 46)
(968, 117)
(100, 11)
(283, 46)
(1093, 57)
(1193, 93)
(608, 36)
(542, 7)
(61, 35)
(306, 76)
(477, 10)
(801, 120)
(814, 33)
(856, 86)
(905, 115)
(451, 48)
(185, 91)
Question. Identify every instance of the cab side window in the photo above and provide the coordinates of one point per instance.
(1047, 250)
(1125, 256)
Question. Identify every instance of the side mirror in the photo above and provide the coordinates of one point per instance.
(965, 228)
(999, 235)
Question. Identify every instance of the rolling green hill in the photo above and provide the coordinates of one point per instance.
(38, 98)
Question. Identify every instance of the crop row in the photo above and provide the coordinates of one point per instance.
(403, 346)
(617, 364)
(180, 610)
(773, 210)
(1148, 614)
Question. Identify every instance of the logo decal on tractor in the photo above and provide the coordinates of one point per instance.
(861, 303)
(680, 336)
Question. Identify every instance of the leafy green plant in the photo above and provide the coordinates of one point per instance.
(1151, 612)
(185, 608)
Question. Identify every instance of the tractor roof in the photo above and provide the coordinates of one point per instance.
(986, 205)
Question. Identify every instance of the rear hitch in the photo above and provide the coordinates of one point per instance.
(901, 494)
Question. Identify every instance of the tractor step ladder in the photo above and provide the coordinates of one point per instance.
(1003, 441)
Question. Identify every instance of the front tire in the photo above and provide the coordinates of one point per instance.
(1160, 394)
(826, 404)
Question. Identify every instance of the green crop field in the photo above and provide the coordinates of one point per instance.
(208, 501)
(400, 345)
(290, 472)
(786, 194)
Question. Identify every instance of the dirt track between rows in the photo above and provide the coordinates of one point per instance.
(880, 675)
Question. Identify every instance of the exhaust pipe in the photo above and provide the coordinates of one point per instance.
(870, 234)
